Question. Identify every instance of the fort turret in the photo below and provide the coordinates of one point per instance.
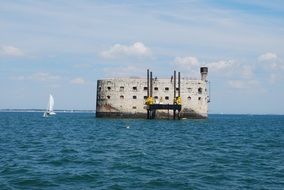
(204, 73)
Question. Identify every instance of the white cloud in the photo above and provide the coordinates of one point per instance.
(137, 49)
(78, 80)
(40, 76)
(273, 78)
(243, 84)
(124, 71)
(246, 71)
(186, 62)
(267, 57)
(10, 51)
(271, 62)
(221, 65)
(82, 66)
(188, 65)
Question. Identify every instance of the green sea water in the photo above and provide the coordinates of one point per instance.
(80, 151)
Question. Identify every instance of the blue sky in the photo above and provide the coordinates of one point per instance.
(63, 47)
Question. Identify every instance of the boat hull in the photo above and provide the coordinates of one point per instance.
(47, 114)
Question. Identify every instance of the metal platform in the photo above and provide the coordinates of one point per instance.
(164, 107)
(151, 110)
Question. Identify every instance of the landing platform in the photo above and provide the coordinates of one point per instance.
(151, 110)
(164, 107)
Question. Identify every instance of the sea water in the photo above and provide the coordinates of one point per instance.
(80, 151)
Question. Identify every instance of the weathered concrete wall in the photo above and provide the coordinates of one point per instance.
(125, 97)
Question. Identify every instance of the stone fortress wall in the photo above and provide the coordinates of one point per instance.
(125, 97)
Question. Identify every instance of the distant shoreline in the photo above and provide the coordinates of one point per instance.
(43, 110)
(94, 111)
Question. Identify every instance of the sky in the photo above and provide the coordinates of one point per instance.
(63, 46)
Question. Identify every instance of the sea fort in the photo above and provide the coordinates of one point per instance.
(174, 97)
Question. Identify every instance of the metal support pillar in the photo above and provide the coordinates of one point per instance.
(151, 84)
(179, 92)
(178, 83)
(151, 94)
(174, 114)
(148, 112)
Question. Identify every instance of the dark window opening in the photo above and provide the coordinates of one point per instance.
(108, 87)
(121, 97)
(177, 89)
(156, 97)
(134, 97)
(189, 98)
(108, 97)
(166, 97)
(200, 90)
(134, 88)
(145, 88)
(156, 88)
(189, 89)
(145, 97)
(199, 98)
(134, 107)
(121, 88)
(167, 88)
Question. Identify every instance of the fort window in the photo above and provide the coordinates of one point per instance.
(121, 97)
(134, 88)
(199, 90)
(166, 98)
(134, 107)
(199, 98)
(189, 89)
(145, 88)
(145, 97)
(100, 88)
(134, 97)
(108, 97)
(167, 89)
(109, 88)
(121, 88)
(156, 88)
(156, 97)
(177, 89)
(189, 98)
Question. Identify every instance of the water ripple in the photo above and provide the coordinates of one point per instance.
(78, 151)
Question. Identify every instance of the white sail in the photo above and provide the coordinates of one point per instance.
(49, 107)
(50, 103)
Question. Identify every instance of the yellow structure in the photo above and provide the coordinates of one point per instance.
(149, 100)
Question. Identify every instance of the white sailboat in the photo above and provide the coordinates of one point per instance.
(50, 106)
